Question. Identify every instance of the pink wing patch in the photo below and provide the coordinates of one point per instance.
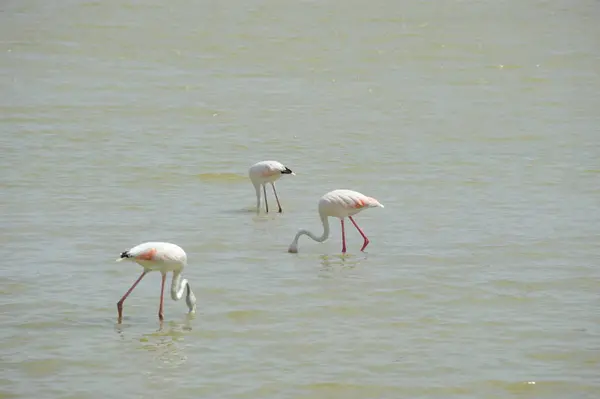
(148, 255)
(359, 203)
(269, 172)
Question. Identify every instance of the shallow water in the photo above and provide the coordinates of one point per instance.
(474, 123)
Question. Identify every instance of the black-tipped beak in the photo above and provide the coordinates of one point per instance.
(287, 171)
(125, 255)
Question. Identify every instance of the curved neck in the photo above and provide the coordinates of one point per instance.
(178, 286)
(323, 237)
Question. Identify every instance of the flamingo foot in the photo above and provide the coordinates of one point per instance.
(365, 244)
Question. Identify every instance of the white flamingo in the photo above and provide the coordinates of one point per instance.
(265, 172)
(340, 204)
(163, 257)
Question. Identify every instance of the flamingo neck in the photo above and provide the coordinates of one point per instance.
(178, 286)
(323, 237)
(257, 188)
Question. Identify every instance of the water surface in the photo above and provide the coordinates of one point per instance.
(474, 123)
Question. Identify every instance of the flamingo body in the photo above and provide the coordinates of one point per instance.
(341, 204)
(163, 257)
(166, 257)
(344, 203)
(267, 172)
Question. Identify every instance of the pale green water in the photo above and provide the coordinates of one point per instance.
(474, 122)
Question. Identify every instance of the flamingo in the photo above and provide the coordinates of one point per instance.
(265, 172)
(341, 204)
(163, 257)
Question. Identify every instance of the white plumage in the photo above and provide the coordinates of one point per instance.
(341, 204)
(265, 172)
(163, 257)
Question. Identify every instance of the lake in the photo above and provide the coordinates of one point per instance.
(475, 123)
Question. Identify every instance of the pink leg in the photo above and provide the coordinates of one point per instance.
(120, 303)
(265, 192)
(162, 295)
(277, 198)
(361, 233)
(343, 237)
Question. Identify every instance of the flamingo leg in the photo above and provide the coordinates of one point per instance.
(265, 192)
(120, 303)
(277, 198)
(343, 237)
(361, 233)
(162, 295)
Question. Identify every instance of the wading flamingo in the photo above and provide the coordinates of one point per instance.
(163, 257)
(340, 204)
(265, 172)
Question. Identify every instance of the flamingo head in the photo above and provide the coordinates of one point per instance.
(124, 256)
(287, 171)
